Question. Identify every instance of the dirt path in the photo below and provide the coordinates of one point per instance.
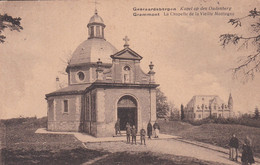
(169, 146)
(94, 160)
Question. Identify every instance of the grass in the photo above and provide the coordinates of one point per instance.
(21, 145)
(216, 134)
(31, 156)
(245, 120)
(21, 134)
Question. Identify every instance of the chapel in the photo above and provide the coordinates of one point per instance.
(104, 85)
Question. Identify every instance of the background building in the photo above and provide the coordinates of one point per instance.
(203, 106)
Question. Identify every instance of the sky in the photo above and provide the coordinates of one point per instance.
(185, 50)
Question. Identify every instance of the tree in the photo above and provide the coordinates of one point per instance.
(249, 64)
(182, 112)
(175, 114)
(256, 113)
(10, 23)
(162, 106)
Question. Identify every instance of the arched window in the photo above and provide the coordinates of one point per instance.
(98, 31)
(102, 32)
(92, 31)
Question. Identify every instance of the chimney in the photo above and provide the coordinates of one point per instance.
(57, 83)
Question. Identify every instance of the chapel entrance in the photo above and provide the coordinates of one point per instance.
(127, 111)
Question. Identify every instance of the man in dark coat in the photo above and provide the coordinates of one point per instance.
(233, 144)
(117, 127)
(149, 130)
(133, 133)
(128, 132)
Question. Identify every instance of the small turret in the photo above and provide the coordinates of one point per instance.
(96, 26)
(57, 83)
(230, 102)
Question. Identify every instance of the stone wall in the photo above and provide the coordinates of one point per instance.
(106, 107)
(58, 120)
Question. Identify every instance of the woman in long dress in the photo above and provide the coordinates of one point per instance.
(156, 128)
(247, 153)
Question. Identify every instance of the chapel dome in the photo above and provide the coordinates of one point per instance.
(91, 50)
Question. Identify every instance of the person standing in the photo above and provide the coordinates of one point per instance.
(142, 136)
(128, 132)
(117, 127)
(149, 130)
(247, 153)
(156, 128)
(133, 133)
(233, 144)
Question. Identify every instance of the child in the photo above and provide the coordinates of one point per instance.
(133, 132)
(142, 136)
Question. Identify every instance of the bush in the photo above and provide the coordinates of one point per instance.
(247, 121)
(33, 121)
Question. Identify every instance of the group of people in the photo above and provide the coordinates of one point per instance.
(132, 131)
(247, 157)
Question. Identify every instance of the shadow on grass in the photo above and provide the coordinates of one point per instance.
(148, 158)
(73, 156)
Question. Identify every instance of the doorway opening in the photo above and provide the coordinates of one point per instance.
(127, 111)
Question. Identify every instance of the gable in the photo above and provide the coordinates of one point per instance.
(126, 53)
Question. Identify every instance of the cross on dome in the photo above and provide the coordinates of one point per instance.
(126, 39)
(95, 6)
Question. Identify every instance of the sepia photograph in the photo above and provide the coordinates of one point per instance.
(172, 82)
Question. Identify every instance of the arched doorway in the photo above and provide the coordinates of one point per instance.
(127, 111)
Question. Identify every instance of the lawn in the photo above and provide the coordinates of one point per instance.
(20, 145)
(217, 134)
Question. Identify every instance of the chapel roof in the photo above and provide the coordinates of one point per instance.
(71, 89)
(91, 50)
(126, 53)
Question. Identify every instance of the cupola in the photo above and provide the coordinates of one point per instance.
(96, 26)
